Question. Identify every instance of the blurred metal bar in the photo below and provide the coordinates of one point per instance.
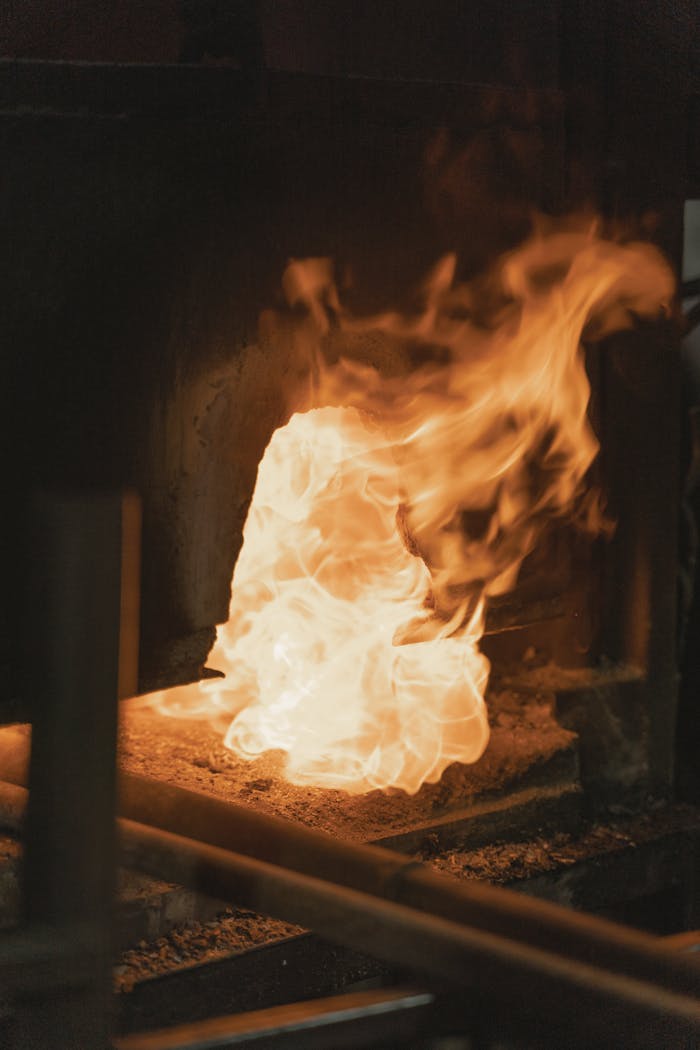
(521, 985)
(382, 1016)
(687, 941)
(83, 575)
(377, 871)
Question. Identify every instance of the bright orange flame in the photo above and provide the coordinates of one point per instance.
(387, 513)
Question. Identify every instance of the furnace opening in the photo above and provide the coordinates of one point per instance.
(431, 451)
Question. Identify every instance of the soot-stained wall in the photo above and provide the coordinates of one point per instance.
(150, 215)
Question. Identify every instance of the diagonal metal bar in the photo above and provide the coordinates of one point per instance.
(355, 1019)
(379, 872)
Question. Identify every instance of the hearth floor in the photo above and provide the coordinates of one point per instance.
(527, 748)
(528, 774)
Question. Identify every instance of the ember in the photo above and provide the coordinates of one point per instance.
(388, 511)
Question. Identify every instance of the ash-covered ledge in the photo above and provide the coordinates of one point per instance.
(531, 761)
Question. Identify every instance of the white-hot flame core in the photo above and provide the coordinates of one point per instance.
(385, 515)
(321, 586)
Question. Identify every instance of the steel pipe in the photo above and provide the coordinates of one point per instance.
(350, 1020)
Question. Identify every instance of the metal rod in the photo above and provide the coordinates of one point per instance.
(377, 871)
(371, 869)
(389, 1014)
(537, 987)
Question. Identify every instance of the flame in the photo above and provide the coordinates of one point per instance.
(432, 451)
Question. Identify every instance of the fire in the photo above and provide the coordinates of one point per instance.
(432, 451)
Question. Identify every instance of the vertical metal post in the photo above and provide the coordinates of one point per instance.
(81, 658)
(641, 451)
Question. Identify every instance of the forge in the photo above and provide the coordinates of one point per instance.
(388, 370)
